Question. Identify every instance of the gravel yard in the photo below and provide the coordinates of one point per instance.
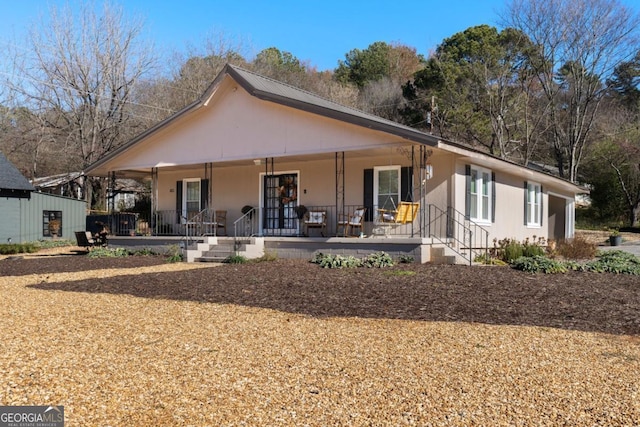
(135, 342)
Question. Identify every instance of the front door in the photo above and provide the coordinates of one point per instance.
(279, 204)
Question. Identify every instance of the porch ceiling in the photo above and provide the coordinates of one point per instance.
(140, 173)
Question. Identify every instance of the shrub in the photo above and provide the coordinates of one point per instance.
(511, 251)
(576, 248)
(235, 259)
(378, 260)
(335, 261)
(174, 254)
(108, 253)
(540, 264)
(406, 259)
(614, 261)
(17, 248)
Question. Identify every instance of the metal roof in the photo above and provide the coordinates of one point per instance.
(11, 178)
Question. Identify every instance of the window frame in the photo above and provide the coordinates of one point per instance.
(47, 217)
(534, 207)
(185, 196)
(481, 197)
(376, 184)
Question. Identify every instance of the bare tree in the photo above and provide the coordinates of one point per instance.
(78, 75)
(577, 45)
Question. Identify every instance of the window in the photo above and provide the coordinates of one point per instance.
(51, 223)
(191, 206)
(386, 187)
(480, 194)
(533, 204)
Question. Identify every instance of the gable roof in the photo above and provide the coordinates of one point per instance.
(272, 90)
(12, 182)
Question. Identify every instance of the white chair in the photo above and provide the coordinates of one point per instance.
(351, 222)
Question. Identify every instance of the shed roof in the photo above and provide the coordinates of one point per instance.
(10, 177)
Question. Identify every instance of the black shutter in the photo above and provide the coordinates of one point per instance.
(493, 196)
(526, 196)
(368, 194)
(406, 184)
(204, 194)
(467, 194)
(178, 200)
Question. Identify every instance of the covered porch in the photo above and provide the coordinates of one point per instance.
(305, 203)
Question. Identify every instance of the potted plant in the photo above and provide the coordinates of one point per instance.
(54, 227)
(615, 239)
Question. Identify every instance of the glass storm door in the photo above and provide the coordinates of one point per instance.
(280, 203)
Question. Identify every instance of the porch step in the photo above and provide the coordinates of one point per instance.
(219, 250)
(445, 255)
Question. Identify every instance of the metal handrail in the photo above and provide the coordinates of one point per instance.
(247, 220)
(203, 223)
(457, 228)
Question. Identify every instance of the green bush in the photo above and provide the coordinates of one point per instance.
(614, 261)
(235, 259)
(108, 253)
(540, 264)
(17, 248)
(406, 259)
(378, 260)
(511, 251)
(335, 261)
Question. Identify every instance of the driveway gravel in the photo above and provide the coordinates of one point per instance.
(136, 341)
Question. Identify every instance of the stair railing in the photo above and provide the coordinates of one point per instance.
(245, 226)
(453, 229)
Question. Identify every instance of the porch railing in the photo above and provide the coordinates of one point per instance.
(462, 235)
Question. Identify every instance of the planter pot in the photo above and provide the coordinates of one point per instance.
(615, 240)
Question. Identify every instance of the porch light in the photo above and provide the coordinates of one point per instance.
(258, 162)
(428, 170)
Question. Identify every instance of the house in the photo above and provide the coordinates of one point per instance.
(249, 139)
(28, 216)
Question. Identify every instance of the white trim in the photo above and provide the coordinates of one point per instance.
(537, 190)
(376, 182)
(479, 196)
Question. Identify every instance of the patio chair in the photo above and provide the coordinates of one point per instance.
(315, 219)
(85, 239)
(351, 222)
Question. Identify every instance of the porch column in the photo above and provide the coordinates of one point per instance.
(339, 188)
(154, 199)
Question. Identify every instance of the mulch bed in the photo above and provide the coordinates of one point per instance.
(496, 295)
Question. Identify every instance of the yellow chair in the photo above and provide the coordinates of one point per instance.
(404, 214)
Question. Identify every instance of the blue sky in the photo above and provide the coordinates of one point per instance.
(320, 33)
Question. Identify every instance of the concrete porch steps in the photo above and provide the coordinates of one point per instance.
(444, 255)
(216, 249)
